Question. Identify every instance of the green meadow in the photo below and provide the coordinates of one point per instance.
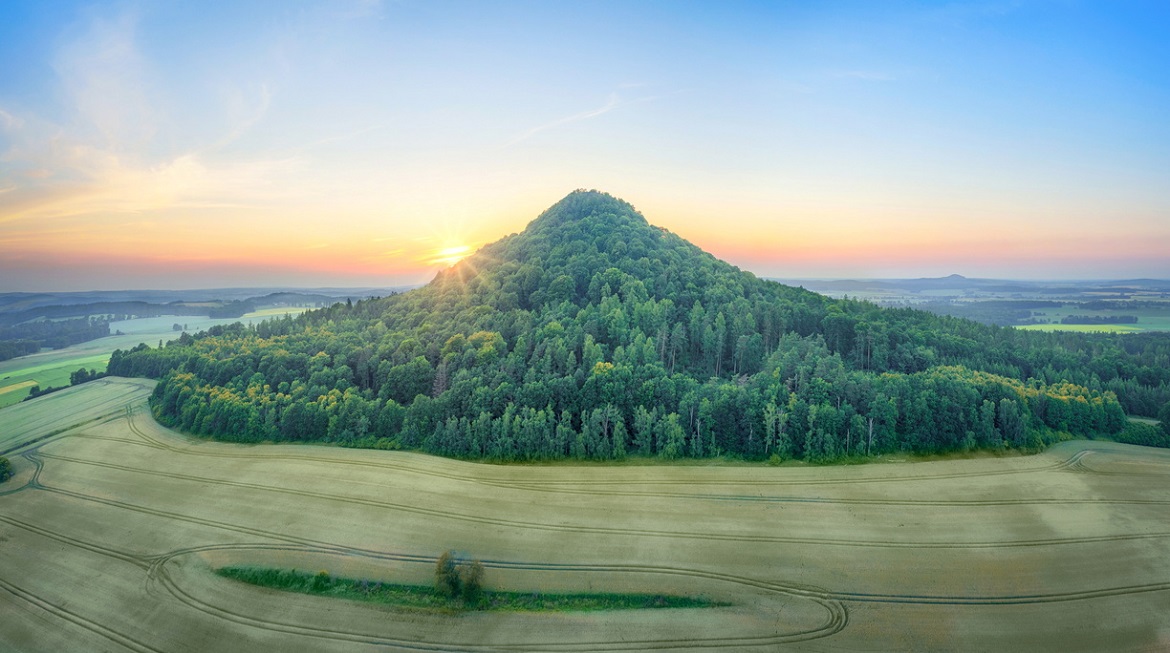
(1149, 319)
(53, 367)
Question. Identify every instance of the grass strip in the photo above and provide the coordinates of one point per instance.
(428, 598)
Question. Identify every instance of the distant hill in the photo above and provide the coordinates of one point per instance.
(593, 334)
(1015, 303)
(16, 308)
(960, 284)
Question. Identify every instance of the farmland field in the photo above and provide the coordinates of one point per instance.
(52, 368)
(113, 524)
(1149, 319)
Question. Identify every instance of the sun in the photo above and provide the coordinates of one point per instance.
(448, 256)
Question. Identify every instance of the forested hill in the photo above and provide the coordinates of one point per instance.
(593, 334)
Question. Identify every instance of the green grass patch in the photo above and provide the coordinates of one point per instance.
(52, 368)
(16, 379)
(1150, 318)
(425, 597)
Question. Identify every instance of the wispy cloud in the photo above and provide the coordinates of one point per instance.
(251, 112)
(103, 75)
(329, 140)
(611, 104)
(109, 187)
(8, 121)
(105, 157)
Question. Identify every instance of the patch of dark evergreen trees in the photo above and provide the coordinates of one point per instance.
(29, 337)
(595, 335)
(1099, 319)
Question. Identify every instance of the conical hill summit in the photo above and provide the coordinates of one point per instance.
(593, 334)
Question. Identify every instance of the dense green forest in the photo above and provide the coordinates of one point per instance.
(593, 334)
(29, 337)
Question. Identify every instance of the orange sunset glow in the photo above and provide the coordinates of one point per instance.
(298, 155)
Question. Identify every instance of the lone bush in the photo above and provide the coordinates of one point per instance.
(447, 575)
(472, 577)
(457, 580)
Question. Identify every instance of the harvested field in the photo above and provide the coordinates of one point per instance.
(113, 523)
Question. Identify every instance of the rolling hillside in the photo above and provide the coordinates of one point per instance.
(593, 334)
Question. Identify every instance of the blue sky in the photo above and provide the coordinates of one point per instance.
(191, 144)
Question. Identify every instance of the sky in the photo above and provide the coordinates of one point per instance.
(183, 144)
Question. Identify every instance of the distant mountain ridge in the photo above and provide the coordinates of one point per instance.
(959, 282)
(12, 302)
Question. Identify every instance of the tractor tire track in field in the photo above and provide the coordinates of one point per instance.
(157, 574)
(833, 602)
(76, 619)
(63, 613)
(41, 439)
(837, 620)
(34, 481)
(84, 407)
(590, 530)
(159, 577)
(129, 558)
(1081, 466)
(1021, 599)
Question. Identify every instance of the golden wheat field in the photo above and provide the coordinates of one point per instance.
(112, 525)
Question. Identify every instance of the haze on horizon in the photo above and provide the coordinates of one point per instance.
(196, 145)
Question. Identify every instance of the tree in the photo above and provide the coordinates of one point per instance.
(83, 375)
(447, 580)
(5, 469)
(472, 579)
(671, 437)
(1164, 417)
(1011, 422)
(459, 581)
(644, 422)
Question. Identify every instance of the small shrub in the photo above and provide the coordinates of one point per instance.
(472, 580)
(447, 580)
(321, 581)
(459, 581)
